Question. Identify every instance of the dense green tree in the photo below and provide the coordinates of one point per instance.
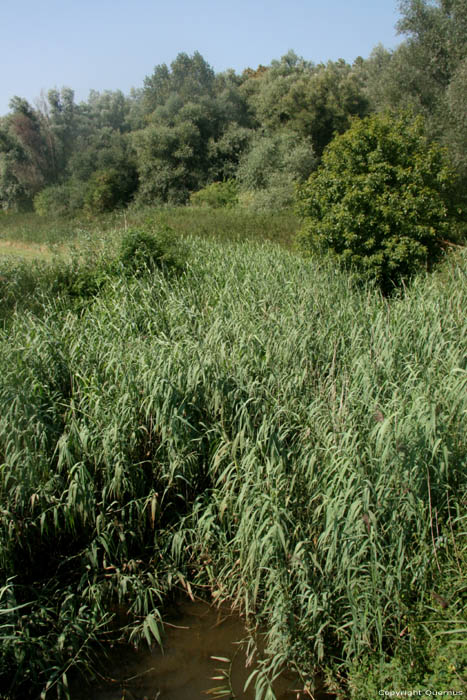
(381, 201)
(268, 171)
(225, 151)
(437, 32)
(108, 109)
(198, 127)
(27, 155)
(14, 192)
(170, 162)
(189, 77)
(99, 150)
(436, 49)
(63, 124)
(324, 105)
(108, 189)
(456, 134)
(425, 73)
(314, 101)
(187, 127)
(266, 89)
(420, 70)
(282, 152)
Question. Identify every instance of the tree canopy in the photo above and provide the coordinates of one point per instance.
(267, 127)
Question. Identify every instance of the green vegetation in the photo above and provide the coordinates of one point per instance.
(381, 201)
(186, 404)
(257, 427)
(217, 194)
(143, 252)
(266, 129)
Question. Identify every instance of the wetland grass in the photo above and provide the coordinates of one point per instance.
(259, 428)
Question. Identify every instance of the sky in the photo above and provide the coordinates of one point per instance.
(114, 44)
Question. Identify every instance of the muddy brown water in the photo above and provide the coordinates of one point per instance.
(185, 669)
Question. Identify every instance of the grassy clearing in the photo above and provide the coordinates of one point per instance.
(259, 428)
(221, 224)
(29, 251)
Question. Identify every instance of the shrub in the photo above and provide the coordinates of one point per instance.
(142, 251)
(277, 197)
(216, 195)
(276, 159)
(381, 201)
(61, 200)
(268, 172)
(107, 189)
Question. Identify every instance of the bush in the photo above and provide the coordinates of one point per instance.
(216, 195)
(275, 198)
(142, 251)
(381, 201)
(107, 189)
(268, 172)
(60, 201)
(275, 159)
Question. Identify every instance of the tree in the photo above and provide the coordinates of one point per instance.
(381, 201)
(322, 106)
(190, 77)
(268, 171)
(63, 124)
(439, 31)
(267, 88)
(108, 109)
(314, 101)
(456, 135)
(27, 156)
(195, 134)
(282, 153)
(169, 162)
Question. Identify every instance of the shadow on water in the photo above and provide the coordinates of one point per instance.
(186, 669)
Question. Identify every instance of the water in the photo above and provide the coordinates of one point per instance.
(184, 670)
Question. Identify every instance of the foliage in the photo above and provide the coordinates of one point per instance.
(103, 149)
(324, 105)
(107, 189)
(143, 251)
(429, 654)
(313, 101)
(277, 197)
(456, 134)
(282, 154)
(437, 31)
(425, 72)
(188, 127)
(62, 200)
(269, 169)
(26, 156)
(258, 427)
(190, 77)
(217, 194)
(190, 141)
(169, 162)
(380, 201)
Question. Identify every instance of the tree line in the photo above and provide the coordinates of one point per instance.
(261, 131)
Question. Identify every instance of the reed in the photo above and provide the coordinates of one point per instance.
(259, 426)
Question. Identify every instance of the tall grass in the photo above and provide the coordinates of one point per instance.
(222, 224)
(260, 428)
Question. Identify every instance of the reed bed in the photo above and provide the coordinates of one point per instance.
(259, 428)
(227, 224)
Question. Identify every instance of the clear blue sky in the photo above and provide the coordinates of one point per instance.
(114, 44)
